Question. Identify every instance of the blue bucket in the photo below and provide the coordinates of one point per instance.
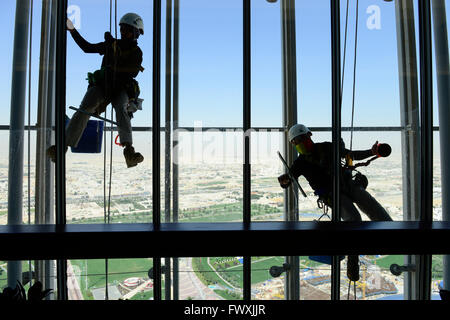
(91, 140)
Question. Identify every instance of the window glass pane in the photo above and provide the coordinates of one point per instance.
(266, 68)
(24, 97)
(90, 196)
(91, 199)
(28, 184)
(112, 279)
(7, 16)
(376, 280)
(376, 92)
(313, 63)
(210, 176)
(437, 276)
(24, 271)
(92, 20)
(211, 278)
(266, 193)
(384, 174)
(210, 73)
(267, 285)
(4, 158)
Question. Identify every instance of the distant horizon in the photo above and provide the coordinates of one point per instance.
(229, 145)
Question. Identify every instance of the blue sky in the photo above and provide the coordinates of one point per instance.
(211, 61)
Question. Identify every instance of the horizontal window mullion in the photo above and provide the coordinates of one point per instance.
(230, 239)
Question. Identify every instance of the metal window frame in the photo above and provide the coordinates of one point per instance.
(60, 137)
(246, 74)
(336, 133)
(156, 138)
(426, 135)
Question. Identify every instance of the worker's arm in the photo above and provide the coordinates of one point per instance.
(86, 46)
(363, 154)
(296, 171)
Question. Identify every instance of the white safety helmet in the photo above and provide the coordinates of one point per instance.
(133, 20)
(297, 130)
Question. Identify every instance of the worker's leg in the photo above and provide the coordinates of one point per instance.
(348, 209)
(369, 205)
(74, 130)
(119, 102)
(350, 213)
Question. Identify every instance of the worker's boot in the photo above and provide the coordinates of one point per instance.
(51, 152)
(353, 268)
(132, 158)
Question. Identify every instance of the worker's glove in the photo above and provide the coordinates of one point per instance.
(284, 180)
(375, 149)
(69, 25)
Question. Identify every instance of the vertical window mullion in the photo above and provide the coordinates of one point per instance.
(246, 137)
(176, 41)
(60, 166)
(156, 137)
(426, 119)
(336, 133)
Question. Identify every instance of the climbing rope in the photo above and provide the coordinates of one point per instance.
(354, 65)
(354, 290)
(345, 51)
(354, 73)
(323, 205)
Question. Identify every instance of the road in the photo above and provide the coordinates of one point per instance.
(190, 286)
(73, 286)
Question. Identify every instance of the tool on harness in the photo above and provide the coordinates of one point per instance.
(96, 78)
(323, 202)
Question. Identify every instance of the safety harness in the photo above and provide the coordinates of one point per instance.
(98, 78)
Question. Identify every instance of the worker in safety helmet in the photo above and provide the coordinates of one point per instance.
(113, 83)
(316, 165)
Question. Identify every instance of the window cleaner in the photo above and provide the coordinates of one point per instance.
(113, 83)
